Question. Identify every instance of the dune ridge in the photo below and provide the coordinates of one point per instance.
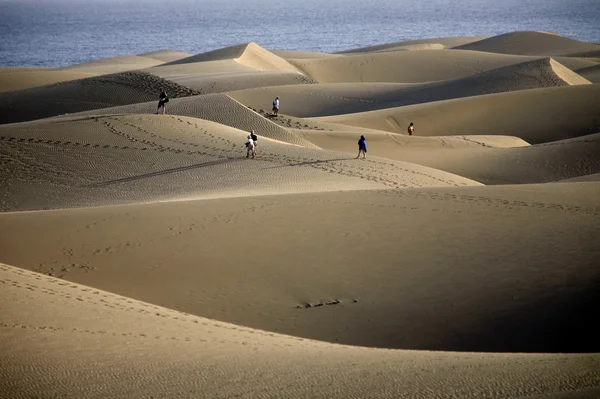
(86, 94)
(537, 116)
(530, 43)
(345, 98)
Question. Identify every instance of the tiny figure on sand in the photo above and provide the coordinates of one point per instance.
(162, 100)
(362, 147)
(250, 147)
(411, 129)
(276, 106)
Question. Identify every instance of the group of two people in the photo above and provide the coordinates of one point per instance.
(251, 143)
(362, 142)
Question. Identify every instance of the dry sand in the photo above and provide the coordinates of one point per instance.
(143, 255)
(15, 79)
(531, 43)
(345, 98)
(536, 116)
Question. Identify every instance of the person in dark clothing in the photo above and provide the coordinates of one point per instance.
(362, 147)
(162, 100)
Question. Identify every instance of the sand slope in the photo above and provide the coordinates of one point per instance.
(19, 80)
(249, 54)
(166, 55)
(88, 161)
(414, 66)
(364, 256)
(537, 116)
(232, 68)
(218, 108)
(441, 43)
(86, 94)
(117, 64)
(344, 98)
(530, 43)
(507, 161)
(591, 73)
(81, 341)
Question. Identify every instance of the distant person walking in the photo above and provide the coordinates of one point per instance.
(276, 106)
(362, 147)
(411, 129)
(254, 139)
(250, 148)
(162, 100)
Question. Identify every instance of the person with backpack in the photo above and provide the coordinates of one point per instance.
(162, 100)
(411, 129)
(276, 106)
(362, 147)
(254, 139)
(250, 147)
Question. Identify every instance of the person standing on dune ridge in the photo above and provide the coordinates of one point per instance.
(411, 129)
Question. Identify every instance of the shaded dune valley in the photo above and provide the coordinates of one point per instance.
(150, 255)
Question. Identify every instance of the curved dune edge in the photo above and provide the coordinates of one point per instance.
(218, 108)
(56, 330)
(443, 42)
(166, 55)
(543, 115)
(249, 54)
(530, 43)
(594, 177)
(115, 159)
(122, 63)
(476, 269)
(19, 80)
(344, 98)
(487, 159)
(86, 94)
(570, 77)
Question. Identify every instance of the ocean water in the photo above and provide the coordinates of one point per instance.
(65, 32)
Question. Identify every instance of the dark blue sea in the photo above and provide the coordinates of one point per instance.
(64, 32)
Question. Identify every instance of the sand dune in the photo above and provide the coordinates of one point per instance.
(302, 55)
(91, 161)
(166, 55)
(72, 340)
(594, 177)
(591, 73)
(530, 43)
(233, 68)
(112, 65)
(415, 66)
(218, 108)
(85, 94)
(249, 54)
(537, 116)
(365, 256)
(505, 161)
(442, 42)
(19, 80)
(344, 98)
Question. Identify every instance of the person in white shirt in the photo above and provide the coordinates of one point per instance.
(250, 147)
(276, 106)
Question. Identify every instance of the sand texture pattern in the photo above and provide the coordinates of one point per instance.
(151, 253)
